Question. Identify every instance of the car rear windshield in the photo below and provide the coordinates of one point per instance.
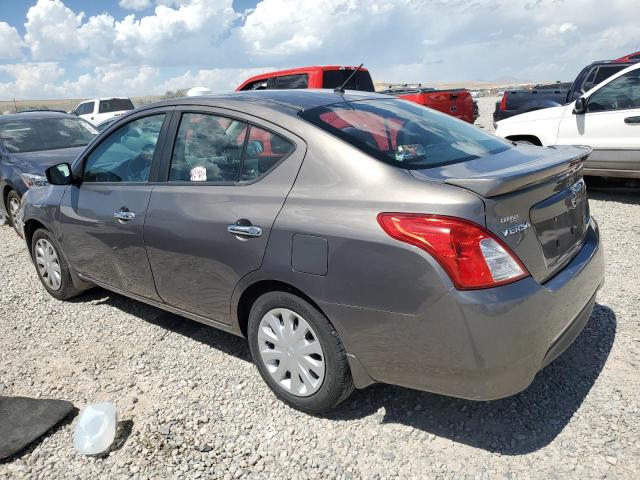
(33, 135)
(404, 134)
(115, 105)
(360, 81)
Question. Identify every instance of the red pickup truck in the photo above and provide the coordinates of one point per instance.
(457, 103)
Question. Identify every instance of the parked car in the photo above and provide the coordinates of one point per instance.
(30, 142)
(457, 102)
(99, 110)
(607, 118)
(353, 238)
(515, 102)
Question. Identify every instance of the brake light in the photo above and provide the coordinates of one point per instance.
(503, 102)
(472, 256)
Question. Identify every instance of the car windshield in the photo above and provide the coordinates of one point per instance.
(404, 134)
(38, 134)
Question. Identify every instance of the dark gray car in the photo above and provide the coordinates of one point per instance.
(353, 238)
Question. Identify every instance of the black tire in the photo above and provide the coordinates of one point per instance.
(12, 197)
(67, 290)
(337, 384)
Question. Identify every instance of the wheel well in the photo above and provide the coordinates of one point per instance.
(29, 229)
(529, 138)
(254, 291)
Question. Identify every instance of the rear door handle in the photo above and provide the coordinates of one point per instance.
(124, 215)
(632, 120)
(248, 231)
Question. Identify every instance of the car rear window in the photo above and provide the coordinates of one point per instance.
(115, 105)
(33, 135)
(404, 134)
(287, 82)
(360, 81)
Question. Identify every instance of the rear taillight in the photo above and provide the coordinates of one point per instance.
(472, 256)
(503, 102)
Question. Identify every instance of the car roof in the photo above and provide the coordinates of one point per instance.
(104, 98)
(286, 101)
(35, 114)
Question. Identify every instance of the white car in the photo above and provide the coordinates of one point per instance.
(98, 110)
(606, 118)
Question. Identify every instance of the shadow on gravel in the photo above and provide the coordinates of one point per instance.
(516, 425)
(123, 432)
(614, 190)
(171, 323)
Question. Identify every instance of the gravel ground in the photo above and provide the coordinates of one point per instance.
(193, 406)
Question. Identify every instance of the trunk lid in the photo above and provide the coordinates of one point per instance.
(535, 201)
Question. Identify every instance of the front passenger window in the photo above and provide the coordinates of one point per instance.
(125, 155)
(620, 94)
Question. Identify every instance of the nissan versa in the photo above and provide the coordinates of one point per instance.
(353, 238)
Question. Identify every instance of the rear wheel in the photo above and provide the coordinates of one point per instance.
(13, 207)
(298, 353)
(51, 266)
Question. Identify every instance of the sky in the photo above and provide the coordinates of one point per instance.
(82, 49)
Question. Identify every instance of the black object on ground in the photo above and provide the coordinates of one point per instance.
(24, 420)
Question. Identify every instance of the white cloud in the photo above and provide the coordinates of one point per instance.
(218, 80)
(134, 4)
(32, 80)
(10, 42)
(205, 42)
(557, 29)
(177, 32)
(52, 30)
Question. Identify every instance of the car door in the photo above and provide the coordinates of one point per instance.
(208, 226)
(102, 218)
(85, 111)
(611, 124)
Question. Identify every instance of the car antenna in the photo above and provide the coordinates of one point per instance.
(340, 89)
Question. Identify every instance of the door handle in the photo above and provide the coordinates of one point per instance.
(632, 120)
(249, 231)
(124, 215)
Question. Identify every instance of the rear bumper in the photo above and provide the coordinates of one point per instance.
(482, 344)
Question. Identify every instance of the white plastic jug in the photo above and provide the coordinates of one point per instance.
(96, 428)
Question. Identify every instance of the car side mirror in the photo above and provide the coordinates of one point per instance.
(59, 174)
(580, 106)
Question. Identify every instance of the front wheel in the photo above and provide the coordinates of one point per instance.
(13, 208)
(298, 353)
(51, 266)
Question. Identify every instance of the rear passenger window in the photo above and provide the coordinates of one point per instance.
(209, 148)
(265, 149)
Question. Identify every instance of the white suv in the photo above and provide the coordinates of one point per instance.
(606, 118)
(98, 110)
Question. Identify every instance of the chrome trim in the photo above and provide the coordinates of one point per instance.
(244, 230)
(124, 216)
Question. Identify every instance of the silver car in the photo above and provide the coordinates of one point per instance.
(352, 238)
